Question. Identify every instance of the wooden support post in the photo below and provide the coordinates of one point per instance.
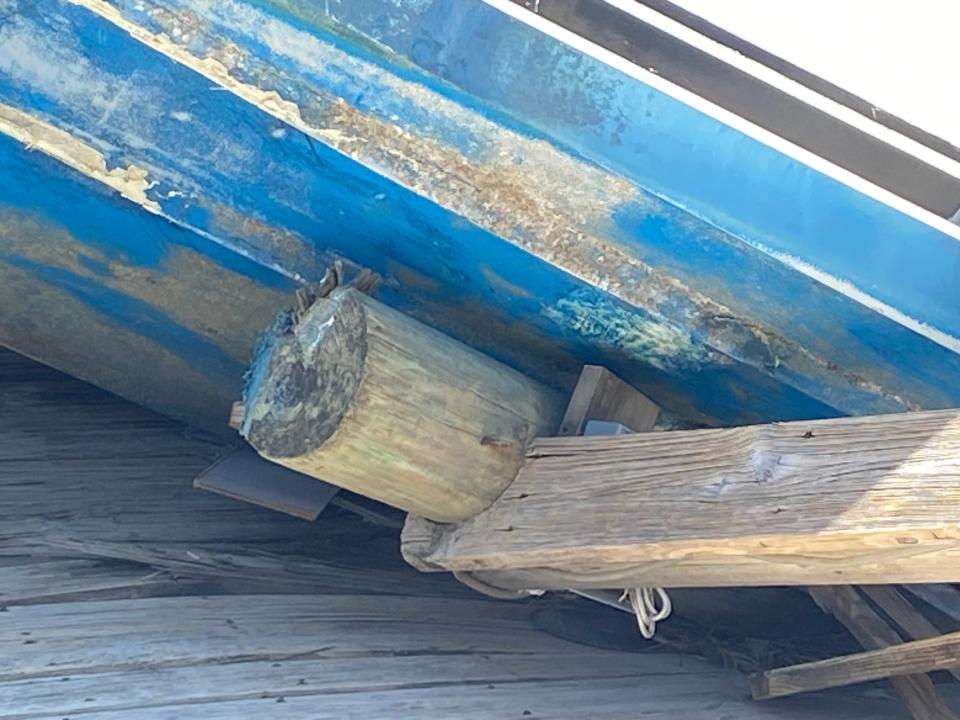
(850, 500)
(918, 693)
(601, 395)
(364, 397)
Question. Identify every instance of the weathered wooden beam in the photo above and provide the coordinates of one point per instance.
(915, 657)
(917, 691)
(598, 395)
(852, 500)
(364, 397)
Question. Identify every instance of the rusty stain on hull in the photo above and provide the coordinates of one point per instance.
(221, 306)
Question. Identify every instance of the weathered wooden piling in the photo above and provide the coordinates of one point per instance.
(362, 396)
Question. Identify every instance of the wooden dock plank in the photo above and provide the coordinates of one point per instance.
(27, 580)
(95, 495)
(598, 699)
(349, 656)
(194, 630)
(852, 500)
(317, 677)
(945, 598)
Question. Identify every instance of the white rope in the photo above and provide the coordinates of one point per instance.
(644, 603)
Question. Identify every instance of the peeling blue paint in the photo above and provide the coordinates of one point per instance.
(87, 213)
(726, 334)
(732, 181)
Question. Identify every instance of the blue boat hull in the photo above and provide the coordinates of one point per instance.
(171, 172)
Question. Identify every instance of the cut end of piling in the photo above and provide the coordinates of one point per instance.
(305, 375)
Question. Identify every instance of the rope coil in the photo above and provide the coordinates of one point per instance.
(644, 603)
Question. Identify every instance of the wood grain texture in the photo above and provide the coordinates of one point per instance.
(916, 657)
(917, 691)
(598, 395)
(305, 657)
(364, 397)
(865, 500)
(30, 580)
